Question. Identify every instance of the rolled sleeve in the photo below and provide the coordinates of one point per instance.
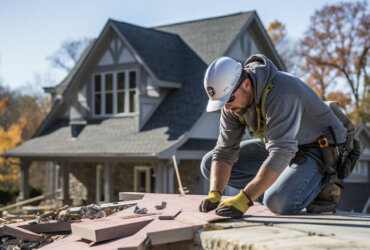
(228, 143)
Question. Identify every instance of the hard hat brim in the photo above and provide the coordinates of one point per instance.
(214, 105)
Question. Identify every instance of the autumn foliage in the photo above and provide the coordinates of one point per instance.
(333, 55)
(335, 50)
(20, 116)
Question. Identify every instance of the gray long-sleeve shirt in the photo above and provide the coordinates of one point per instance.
(295, 115)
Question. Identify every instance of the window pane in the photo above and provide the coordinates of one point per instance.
(108, 82)
(132, 101)
(97, 82)
(121, 102)
(108, 103)
(97, 104)
(132, 80)
(121, 81)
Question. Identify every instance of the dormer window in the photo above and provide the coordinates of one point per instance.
(114, 92)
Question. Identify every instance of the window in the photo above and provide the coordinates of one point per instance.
(114, 92)
(143, 179)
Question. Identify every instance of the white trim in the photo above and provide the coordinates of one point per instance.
(190, 154)
(147, 170)
(115, 92)
(166, 84)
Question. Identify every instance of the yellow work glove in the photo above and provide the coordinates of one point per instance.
(234, 207)
(211, 202)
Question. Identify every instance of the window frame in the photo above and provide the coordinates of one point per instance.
(148, 178)
(115, 92)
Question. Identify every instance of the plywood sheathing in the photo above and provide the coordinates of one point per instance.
(18, 232)
(159, 231)
(109, 228)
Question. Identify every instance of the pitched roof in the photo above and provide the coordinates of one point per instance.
(210, 38)
(99, 138)
(180, 58)
(162, 52)
(119, 136)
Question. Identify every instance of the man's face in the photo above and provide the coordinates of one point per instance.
(244, 98)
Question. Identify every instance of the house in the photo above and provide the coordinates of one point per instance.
(133, 100)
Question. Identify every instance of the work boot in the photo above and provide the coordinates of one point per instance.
(326, 201)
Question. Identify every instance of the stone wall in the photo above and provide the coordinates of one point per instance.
(191, 177)
(82, 183)
(82, 178)
(124, 177)
(37, 175)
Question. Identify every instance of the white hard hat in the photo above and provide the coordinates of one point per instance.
(220, 80)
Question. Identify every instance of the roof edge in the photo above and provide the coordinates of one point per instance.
(202, 19)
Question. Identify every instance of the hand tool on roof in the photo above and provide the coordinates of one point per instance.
(162, 206)
(139, 210)
(182, 189)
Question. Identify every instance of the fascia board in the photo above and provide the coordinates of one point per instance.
(172, 150)
(48, 118)
(166, 84)
(87, 58)
(241, 32)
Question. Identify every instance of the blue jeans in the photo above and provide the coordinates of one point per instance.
(296, 187)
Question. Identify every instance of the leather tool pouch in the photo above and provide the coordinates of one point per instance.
(346, 166)
(328, 155)
(299, 158)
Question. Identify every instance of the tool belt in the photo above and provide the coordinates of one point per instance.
(329, 155)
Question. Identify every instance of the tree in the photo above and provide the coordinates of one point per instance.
(336, 51)
(285, 46)
(20, 116)
(69, 53)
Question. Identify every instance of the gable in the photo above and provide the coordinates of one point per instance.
(245, 46)
(209, 38)
(116, 53)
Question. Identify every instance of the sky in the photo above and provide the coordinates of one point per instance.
(32, 30)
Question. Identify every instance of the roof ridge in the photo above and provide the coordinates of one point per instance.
(203, 19)
(142, 27)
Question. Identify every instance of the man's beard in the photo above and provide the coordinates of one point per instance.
(242, 110)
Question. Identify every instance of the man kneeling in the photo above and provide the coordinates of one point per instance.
(291, 122)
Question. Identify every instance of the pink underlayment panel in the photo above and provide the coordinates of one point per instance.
(189, 218)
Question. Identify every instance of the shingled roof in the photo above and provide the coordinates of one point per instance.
(179, 53)
(99, 138)
(161, 51)
(211, 37)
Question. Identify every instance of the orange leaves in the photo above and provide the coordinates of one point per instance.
(335, 49)
(344, 99)
(20, 116)
(10, 138)
(9, 172)
(277, 32)
(4, 103)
